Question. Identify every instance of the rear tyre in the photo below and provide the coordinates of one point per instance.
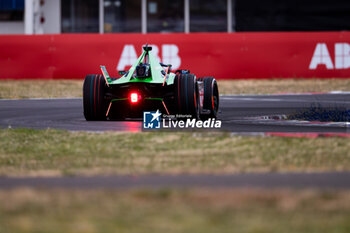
(186, 95)
(210, 98)
(95, 105)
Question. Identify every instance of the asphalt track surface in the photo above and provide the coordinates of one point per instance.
(239, 113)
(335, 180)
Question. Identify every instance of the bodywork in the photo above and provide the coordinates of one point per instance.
(155, 91)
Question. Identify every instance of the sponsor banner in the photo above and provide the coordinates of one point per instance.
(222, 55)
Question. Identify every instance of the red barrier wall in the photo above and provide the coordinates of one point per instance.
(223, 55)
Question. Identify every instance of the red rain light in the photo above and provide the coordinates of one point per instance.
(134, 97)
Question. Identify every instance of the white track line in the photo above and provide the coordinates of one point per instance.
(230, 96)
(288, 94)
(68, 98)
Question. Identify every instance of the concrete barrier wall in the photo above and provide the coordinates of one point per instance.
(223, 55)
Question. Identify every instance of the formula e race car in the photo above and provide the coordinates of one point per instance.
(149, 86)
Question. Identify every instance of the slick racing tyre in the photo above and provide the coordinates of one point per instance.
(210, 98)
(186, 95)
(95, 105)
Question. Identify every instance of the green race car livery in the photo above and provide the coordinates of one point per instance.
(149, 86)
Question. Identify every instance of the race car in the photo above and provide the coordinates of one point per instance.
(149, 86)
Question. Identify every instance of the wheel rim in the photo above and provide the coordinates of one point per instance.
(215, 97)
(215, 100)
(196, 100)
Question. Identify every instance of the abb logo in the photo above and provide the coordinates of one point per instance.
(341, 56)
(170, 55)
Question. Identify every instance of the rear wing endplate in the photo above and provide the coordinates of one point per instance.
(106, 75)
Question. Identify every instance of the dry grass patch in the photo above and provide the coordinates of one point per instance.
(56, 152)
(271, 86)
(22, 89)
(168, 210)
(13, 89)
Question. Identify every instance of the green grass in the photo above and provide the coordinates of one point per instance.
(56, 152)
(159, 211)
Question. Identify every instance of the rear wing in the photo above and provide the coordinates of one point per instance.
(106, 75)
